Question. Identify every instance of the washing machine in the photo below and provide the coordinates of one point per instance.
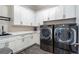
(47, 37)
(65, 36)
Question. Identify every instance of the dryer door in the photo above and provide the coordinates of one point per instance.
(65, 35)
(45, 33)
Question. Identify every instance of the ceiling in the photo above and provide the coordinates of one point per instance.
(38, 7)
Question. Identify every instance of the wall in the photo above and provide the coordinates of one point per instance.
(19, 28)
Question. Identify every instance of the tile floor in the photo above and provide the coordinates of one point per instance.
(35, 49)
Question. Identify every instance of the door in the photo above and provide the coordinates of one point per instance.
(65, 35)
(46, 35)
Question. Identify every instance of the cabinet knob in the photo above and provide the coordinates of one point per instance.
(48, 18)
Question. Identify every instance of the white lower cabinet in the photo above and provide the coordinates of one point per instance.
(15, 44)
(21, 42)
(28, 40)
(36, 38)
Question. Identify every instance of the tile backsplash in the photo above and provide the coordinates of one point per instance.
(5, 24)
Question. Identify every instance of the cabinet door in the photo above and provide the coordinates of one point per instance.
(52, 12)
(39, 18)
(25, 41)
(77, 14)
(45, 14)
(12, 45)
(24, 17)
(36, 37)
(69, 11)
(17, 15)
(59, 12)
(15, 44)
(28, 39)
(28, 17)
(4, 10)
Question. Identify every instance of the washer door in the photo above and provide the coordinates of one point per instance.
(65, 35)
(45, 33)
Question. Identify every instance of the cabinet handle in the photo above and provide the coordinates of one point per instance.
(32, 37)
(23, 39)
(6, 44)
(21, 22)
(63, 15)
(31, 24)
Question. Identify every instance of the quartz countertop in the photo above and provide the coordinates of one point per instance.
(13, 34)
(23, 32)
(17, 33)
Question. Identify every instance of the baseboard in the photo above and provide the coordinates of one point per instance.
(25, 48)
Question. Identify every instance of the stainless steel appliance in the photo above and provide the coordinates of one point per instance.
(46, 37)
(65, 36)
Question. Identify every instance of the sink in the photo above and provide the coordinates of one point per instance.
(5, 34)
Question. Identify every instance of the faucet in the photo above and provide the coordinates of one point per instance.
(2, 30)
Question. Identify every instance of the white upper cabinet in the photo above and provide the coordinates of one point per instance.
(17, 15)
(27, 16)
(45, 15)
(4, 10)
(77, 14)
(69, 11)
(58, 12)
(23, 16)
(52, 12)
(61, 12)
(39, 18)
